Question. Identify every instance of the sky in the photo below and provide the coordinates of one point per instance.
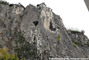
(74, 13)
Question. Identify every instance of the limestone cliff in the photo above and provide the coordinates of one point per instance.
(43, 29)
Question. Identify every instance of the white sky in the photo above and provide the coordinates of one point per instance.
(73, 12)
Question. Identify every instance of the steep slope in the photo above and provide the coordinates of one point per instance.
(80, 40)
(41, 27)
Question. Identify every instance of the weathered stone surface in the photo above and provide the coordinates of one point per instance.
(42, 28)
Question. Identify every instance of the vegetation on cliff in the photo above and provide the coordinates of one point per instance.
(4, 2)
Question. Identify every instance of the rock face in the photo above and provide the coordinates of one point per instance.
(44, 29)
(87, 3)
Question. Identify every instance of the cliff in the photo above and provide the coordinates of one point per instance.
(41, 32)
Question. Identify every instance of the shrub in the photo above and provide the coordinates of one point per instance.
(74, 31)
(4, 55)
(4, 2)
(58, 38)
(76, 42)
(74, 45)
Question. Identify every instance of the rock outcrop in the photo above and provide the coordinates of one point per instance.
(42, 28)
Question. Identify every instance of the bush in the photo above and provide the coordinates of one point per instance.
(58, 38)
(4, 55)
(4, 2)
(74, 45)
(74, 31)
(76, 42)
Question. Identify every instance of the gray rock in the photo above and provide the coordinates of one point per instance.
(43, 28)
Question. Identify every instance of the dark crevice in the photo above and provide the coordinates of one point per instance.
(10, 5)
(34, 38)
(38, 5)
(35, 23)
(51, 27)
